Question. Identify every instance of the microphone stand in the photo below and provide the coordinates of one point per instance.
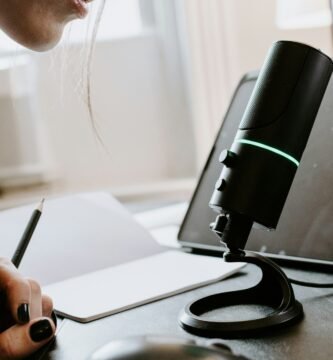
(273, 290)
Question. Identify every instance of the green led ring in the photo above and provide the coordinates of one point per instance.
(269, 148)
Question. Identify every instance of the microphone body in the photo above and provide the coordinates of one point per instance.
(261, 164)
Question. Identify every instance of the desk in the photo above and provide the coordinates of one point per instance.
(310, 339)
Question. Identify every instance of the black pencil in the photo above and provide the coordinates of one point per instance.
(25, 240)
(27, 234)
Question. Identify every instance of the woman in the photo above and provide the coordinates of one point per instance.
(25, 314)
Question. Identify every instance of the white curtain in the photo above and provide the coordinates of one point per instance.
(203, 29)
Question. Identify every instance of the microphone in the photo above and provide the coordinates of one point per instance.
(254, 183)
(260, 166)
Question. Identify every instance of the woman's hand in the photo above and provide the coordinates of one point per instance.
(25, 314)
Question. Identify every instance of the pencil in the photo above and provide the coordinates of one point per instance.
(27, 234)
(25, 240)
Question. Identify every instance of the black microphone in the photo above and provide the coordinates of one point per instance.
(253, 186)
(263, 159)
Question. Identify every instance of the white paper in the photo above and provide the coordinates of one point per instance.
(122, 287)
(88, 246)
(76, 235)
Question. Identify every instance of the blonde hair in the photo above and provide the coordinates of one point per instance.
(90, 59)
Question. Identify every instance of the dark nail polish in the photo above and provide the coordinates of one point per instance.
(23, 313)
(41, 330)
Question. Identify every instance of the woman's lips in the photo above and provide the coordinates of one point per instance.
(81, 7)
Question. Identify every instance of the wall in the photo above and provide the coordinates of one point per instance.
(138, 97)
(221, 41)
(253, 30)
(145, 135)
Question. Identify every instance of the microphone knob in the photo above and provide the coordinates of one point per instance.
(220, 184)
(227, 158)
(219, 224)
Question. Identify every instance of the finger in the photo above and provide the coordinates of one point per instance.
(22, 340)
(47, 306)
(16, 290)
(35, 299)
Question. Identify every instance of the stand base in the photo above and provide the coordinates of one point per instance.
(273, 290)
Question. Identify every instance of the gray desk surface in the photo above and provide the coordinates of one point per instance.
(310, 339)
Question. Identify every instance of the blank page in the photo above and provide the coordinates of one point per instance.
(76, 235)
(136, 283)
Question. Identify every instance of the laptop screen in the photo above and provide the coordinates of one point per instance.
(305, 228)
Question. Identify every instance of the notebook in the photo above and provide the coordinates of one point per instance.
(106, 292)
(76, 235)
(88, 246)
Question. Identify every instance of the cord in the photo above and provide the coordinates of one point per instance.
(310, 284)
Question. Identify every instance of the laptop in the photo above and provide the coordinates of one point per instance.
(304, 235)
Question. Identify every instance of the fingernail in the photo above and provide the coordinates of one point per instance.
(41, 330)
(54, 318)
(23, 313)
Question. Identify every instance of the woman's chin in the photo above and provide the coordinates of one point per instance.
(39, 43)
(42, 46)
(39, 24)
